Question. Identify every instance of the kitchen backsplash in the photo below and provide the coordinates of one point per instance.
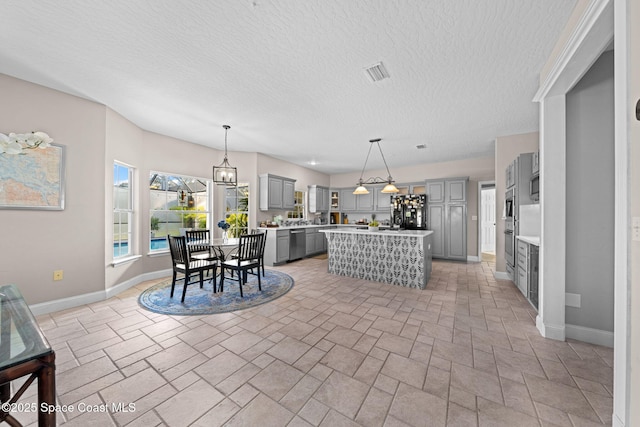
(529, 220)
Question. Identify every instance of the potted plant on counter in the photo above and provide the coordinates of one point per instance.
(374, 225)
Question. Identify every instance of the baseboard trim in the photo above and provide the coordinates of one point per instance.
(590, 335)
(554, 332)
(78, 300)
(471, 258)
(502, 275)
(65, 303)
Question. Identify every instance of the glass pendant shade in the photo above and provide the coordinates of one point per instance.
(390, 188)
(361, 189)
(224, 173)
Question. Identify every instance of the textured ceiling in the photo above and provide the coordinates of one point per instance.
(288, 75)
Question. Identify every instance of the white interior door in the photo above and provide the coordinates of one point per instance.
(488, 206)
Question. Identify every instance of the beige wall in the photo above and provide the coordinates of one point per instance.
(574, 19)
(35, 243)
(303, 176)
(478, 169)
(507, 149)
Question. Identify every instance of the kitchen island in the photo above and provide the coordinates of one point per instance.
(398, 257)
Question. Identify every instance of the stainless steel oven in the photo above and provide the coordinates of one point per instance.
(510, 246)
(534, 187)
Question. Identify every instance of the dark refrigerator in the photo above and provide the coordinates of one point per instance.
(409, 211)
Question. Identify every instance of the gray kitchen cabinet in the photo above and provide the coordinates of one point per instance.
(347, 200)
(383, 201)
(535, 163)
(435, 191)
(447, 217)
(510, 174)
(522, 265)
(276, 250)
(456, 190)
(276, 192)
(315, 241)
(282, 246)
(456, 231)
(310, 243)
(412, 188)
(356, 202)
(288, 193)
(318, 199)
(436, 220)
(364, 202)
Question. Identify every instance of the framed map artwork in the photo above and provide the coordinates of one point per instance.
(33, 179)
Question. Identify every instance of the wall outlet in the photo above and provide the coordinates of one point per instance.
(635, 229)
(58, 274)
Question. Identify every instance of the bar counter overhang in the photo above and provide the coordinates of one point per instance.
(400, 258)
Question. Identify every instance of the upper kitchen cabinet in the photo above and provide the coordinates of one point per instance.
(383, 200)
(276, 192)
(435, 191)
(510, 174)
(411, 188)
(318, 199)
(535, 163)
(356, 202)
(335, 200)
(456, 190)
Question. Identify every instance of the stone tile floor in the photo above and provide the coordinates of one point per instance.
(334, 351)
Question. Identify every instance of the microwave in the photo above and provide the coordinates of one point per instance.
(534, 187)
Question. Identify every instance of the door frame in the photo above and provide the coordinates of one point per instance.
(480, 184)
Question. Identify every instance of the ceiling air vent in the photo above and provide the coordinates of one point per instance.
(377, 72)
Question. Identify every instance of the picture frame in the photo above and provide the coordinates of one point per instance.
(34, 179)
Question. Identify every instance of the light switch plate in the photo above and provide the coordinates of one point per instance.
(474, 217)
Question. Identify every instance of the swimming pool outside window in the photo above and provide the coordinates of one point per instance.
(178, 203)
(122, 210)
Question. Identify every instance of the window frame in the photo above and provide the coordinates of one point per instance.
(241, 225)
(118, 211)
(169, 199)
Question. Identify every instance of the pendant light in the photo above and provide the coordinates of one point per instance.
(224, 173)
(389, 187)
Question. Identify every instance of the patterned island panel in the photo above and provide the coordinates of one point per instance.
(398, 258)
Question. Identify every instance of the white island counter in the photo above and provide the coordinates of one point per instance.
(401, 258)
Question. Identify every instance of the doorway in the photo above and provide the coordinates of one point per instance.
(487, 221)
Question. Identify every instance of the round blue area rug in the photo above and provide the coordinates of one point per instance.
(204, 301)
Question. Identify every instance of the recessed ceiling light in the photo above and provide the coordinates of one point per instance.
(421, 146)
(312, 162)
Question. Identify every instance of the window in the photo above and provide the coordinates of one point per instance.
(122, 210)
(298, 208)
(177, 203)
(237, 209)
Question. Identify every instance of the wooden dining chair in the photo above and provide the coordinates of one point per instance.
(182, 263)
(248, 259)
(199, 245)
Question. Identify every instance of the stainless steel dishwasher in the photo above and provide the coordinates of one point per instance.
(297, 244)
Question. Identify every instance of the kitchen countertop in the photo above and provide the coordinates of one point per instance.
(291, 227)
(532, 240)
(382, 232)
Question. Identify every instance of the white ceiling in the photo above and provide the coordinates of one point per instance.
(288, 75)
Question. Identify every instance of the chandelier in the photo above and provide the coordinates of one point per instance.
(224, 173)
(389, 188)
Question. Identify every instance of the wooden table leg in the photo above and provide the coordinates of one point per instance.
(47, 390)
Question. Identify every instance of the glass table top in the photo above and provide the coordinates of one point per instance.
(20, 336)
